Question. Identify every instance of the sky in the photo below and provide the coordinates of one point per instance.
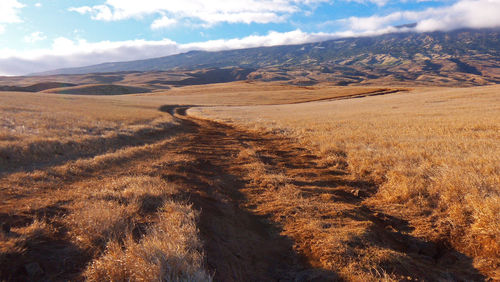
(40, 35)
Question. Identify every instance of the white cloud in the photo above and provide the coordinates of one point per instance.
(466, 13)
(69, 53)
(370, 23)
(9, 11)
(462, 14)
(35, 37)
(163, 22)
(38, 5)
(376, 2)
(83, 10)
(206, 11)
(273, 38)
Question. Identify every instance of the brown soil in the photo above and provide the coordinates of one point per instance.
(242, 230)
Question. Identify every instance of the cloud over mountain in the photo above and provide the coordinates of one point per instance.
(462, 14)
(68, 53)
(206, 11)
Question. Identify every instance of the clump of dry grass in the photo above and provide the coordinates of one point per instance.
(108, 210)
(129, 226)
(433, 153)
(94, 223)
(170, 251)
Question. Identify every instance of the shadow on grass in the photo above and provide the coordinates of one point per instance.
(53, 153)
(239, 245)
(413, 257)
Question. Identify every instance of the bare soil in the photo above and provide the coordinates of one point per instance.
(244, 242)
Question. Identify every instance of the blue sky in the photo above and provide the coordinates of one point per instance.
(42, 35)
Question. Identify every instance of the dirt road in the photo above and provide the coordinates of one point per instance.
(270, 211)
(240, 245)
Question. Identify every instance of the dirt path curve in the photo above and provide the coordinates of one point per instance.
(239, 245)
(243, 214)
(269, 210)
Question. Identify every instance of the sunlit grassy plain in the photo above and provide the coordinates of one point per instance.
(78, 170)
(433, 153)
(36, 126)
(58, 185)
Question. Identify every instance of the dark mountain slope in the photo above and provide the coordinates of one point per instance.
(36, 87)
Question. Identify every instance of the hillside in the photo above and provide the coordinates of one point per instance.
(118, 83)
(465, 57)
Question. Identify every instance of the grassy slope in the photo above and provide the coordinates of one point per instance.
(433, 154)
(99, 89)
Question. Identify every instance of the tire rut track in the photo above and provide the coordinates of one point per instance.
(250, 217)
(245, 237)
(240, 245)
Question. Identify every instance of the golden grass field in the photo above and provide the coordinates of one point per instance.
(259, 181)
(433, 153)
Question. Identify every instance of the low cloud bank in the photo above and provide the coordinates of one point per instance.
(67, 53)
(208, 12)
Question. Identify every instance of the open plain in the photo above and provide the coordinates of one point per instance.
(251, 181)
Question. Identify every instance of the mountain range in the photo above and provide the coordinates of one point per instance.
(464, 57)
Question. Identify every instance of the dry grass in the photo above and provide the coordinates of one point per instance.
(83, 179)
(433, 153)
(85, 167)
(39, 128)
(27, 117)
(85, 211)
(248, 93)
(99, 89)
(170, 251)
(130, 227)
(96, 222)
